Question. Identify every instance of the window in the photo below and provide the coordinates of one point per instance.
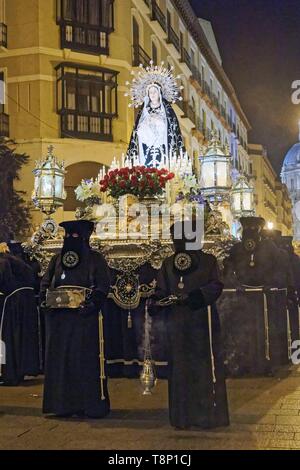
(3, 27)
(2, 11)
(85, 24)
(4, 118)
(135, 32)
(87, 101)
(181, 40)
(202, 72)
(154, 53)
(169, 19)
(204, 119)
(192, 57)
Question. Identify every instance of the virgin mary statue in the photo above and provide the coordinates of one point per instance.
(156, 133)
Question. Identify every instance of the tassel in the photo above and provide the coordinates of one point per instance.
(101, 355)
(299, 320)
(266, 321)
(212, 358)
(289, 334)
(129, 320)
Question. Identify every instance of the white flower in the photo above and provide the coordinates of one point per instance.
(87, 189)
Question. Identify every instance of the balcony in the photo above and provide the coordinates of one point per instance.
(3, 35)
(187, 110)
(215, 101)
(200, 126)
(196, 74)
(139, 56)
(223, 111)
(185, 57)
(84, 112)
(157, 15)
(85, 38)
(86, 125)
(173, 38)
(207, 89)
(4, 125)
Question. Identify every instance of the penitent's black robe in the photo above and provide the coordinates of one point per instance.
(18, 321)
(72, 367)
(195, 398)
(254, 325)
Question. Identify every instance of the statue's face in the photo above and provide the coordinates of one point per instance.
(154, 95)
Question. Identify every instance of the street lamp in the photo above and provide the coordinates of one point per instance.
(242, 203)
(215, 171)
(49, 193)
(49, 176)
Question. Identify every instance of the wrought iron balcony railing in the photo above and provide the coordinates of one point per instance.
(139, 56)
(3, 35)
(157, 15)
(4, 125)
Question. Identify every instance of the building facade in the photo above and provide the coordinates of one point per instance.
(290, 175)
(271, 196)
(65, 64)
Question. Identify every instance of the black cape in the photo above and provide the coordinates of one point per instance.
(19, 320)
(72, 367)
(195, 399)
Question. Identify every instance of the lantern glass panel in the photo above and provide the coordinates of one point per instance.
(237, 202)
(247, 206)
(222, 174)
(46, 185)
(208, 174)
(59, 187)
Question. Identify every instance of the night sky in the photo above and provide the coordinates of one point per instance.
(259, 42)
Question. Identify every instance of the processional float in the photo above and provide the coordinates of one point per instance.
(134, 203)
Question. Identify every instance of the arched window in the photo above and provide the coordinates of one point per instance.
(76, 173)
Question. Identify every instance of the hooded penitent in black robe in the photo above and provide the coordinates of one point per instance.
(289, 276)
(72, 367)
(197, 391)
(19, 321)
(254, 323)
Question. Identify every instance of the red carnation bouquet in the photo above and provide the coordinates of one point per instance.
(138, 180)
